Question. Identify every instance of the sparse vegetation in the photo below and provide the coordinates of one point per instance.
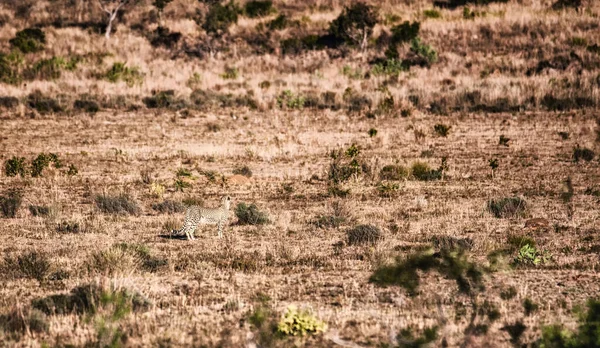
(121, 72)
(10, 202)
(33, 265)
(363, 234)
(250, 215)
(117, 204)
(507, 207)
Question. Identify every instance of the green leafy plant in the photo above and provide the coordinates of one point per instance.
(42, 161)
(120, 72)
(530, 255)
(290, 100)
(10, 67)
(15, 166)
(299, 322)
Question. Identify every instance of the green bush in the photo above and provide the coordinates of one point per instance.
(250, 215)
(161, 99)
(530, 255)
(586, 335)
(405, 32)
(442, 130)
(10, 203)
(287, 99)
(354, 25)
(258, 8)
(422, 171)
(432, 13)
(120, 72)
(43, 104)
(364, 234)
(121, 204)
(10, 67)
(583, 153)
(15, 166)
(393, 172)
(51, 68)
(29, 40)
(279, 23)
(42, 161)
(296, 322)
(32, 265)
(423, 51)
(220, 17)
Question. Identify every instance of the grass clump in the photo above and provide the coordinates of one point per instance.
(393, 172)
(529, 255)
(8, 102)
(422, 171)
(583, 153)
(244, 170)
(121, 204)
(42, 161)
(406, 338)
(20, 321)
(449, 263)
(120, 72)
(29, 40)
(31, 265)
(258, 8)
(43, 104)
(39, 210)
(364, 234)
(250, 215)
(10, 67)
(507, 207)
(124, 258)
(161, 99)
(287, 99)
(299, 322)
(432, 13)
(51, 68)
(10, 202)
(168, 207)
(88, 106)
(89, 299)
(15, 166)
(442, 130)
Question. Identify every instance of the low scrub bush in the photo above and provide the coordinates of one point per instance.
(10, 202)
(220, 17)
(250, 215)
(15, 166)
(42, 161)
(442, 130)
(120, 204)
(163, 99)
(51, 68)
(507, 207)
(287, 99)
(39, 210)
(8, 102)
(10, 67)
(168, 207)
(120, 72)
(258, 8)
(422, 171)
(244, 170)
(32, 265)
(29, 40)
(393, 172)
(354, 25)
(88, 106)
(583, 153)
(43, 104)
(164, 37)
(586, 335)
(363, 234)
(20, 321)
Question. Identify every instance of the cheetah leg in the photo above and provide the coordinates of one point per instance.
(220, 229)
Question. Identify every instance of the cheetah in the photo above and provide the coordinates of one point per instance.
(196, 215)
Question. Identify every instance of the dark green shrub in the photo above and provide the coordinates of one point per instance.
(15, 166)
(88, 106)
(168, 207)
(393, 172)
(121, 204)
(162, 36)
(587, 334)
(372, 132)
(51, 68)
(72, 171)
(42, 161)
(161, 4)
(43, 104)
(507, 207)
(344, 164)
(220, 17)
(258, 8)
(364, 234)
(68, 227)
(355, 24)
(583, 153)
(422, 171)
(29, 40)
(407, 339)
(250, 215)
(10, 203)
(163, 99)
(405, 32)
(564, 4)
(120, 72)
(279, 23)
(442, 130)
(32, 265)
(425, 55)
(8, 102)
(432, 13)
(38, 210)
(244, 170)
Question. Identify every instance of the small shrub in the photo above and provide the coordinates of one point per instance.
(405, 32)
(530, 255)
(565, 4)
(120, 72)
(88, 106)
(258, 8)
(10, 203)
(220, 17)
(164, 37)
(244, 170)
(503, 140)
(72, 170)
(43, 104)
(32, 265)
(250, 215)
(530, 307)
(15, 166)
(290, 100)
(564, 135)
(432, 13)
(364, 234)
(586, 335)
(29, 40)
(423, 51)
(442, 130)
(406, 337)
(387, 189)
(68, 227)
(508, 293)
(10, 67)
(296, 322)
(121, 204)
(8, 102)
(19, 321)
(51, 68)
(38, 210)
(230, 73)
(507, 207)
(163, 99)
(372, 132)
(354, 25)
(583, 153)
(422, 171)
(168, 207)
(42, 161)
(279, 23)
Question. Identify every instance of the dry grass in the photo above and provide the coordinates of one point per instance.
(172, 124)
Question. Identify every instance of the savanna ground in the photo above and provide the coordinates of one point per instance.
(463, 146)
